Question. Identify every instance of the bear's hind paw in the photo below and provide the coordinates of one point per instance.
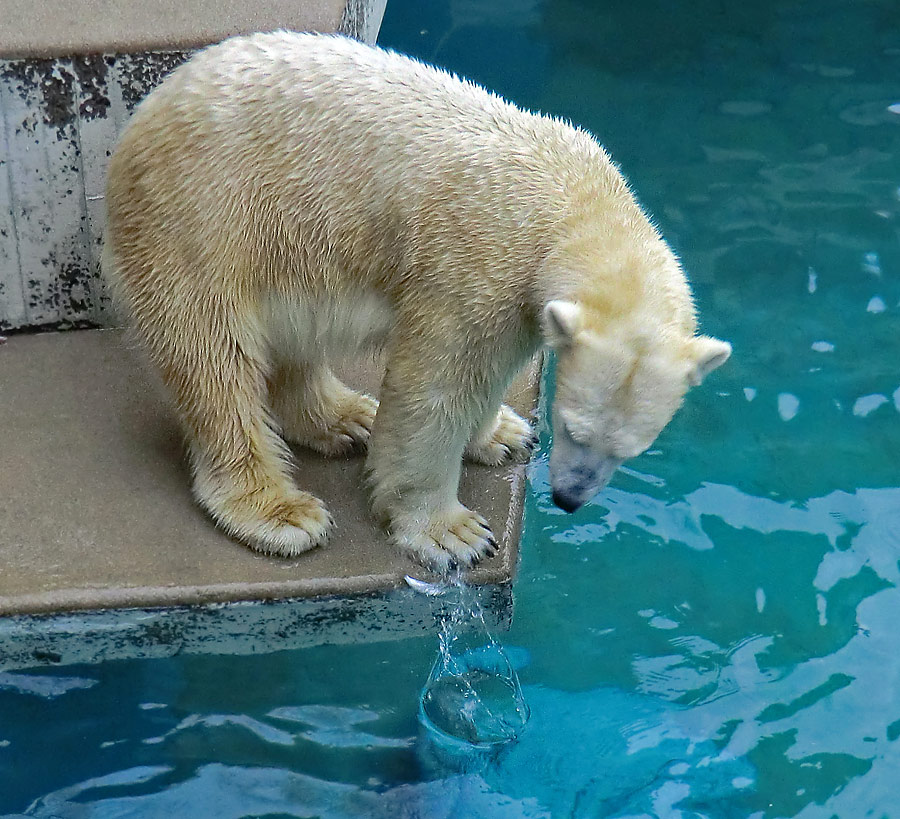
(283, 527)
(448, 542)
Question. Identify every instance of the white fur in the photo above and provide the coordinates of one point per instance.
(323, 326)
(284, 198)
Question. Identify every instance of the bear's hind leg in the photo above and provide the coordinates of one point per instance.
(216, 368)
(316, 409)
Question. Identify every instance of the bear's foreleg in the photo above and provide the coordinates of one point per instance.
(424, 422)
(214, 362)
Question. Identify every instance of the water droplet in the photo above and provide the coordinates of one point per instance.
(428, 589)
(876, 305)
(760, 600)
(472, 704)
(749, 393)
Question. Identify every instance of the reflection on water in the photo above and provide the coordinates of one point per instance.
(763, 624)
(716, 635)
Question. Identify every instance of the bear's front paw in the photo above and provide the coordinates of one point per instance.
(512, 439)
(453, 539)
(351, 430)
(346, 431)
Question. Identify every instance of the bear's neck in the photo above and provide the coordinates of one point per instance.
(610, 259)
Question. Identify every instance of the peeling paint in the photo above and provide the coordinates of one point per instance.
(139, 75)
(44, 84)
(60, 120)
(92, 70)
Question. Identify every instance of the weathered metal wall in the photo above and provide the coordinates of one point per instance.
(59, 119)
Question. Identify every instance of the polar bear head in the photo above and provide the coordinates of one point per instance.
(616, 389)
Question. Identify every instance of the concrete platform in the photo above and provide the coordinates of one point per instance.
(248, 627)
(95, 509)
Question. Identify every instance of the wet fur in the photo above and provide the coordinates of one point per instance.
(285, 198)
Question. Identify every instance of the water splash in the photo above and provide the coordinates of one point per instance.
(472, 706)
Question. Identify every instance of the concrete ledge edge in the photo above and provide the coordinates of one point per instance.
(32, 641)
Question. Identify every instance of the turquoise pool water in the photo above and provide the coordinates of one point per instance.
(716, 635)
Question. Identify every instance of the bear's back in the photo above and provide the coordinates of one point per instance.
(305, 151)
(328, 110)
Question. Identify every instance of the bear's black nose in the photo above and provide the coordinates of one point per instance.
(567, 503)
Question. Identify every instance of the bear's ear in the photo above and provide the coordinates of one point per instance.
(707, 354)
(562, 320)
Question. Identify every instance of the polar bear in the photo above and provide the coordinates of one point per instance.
(283, 198)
